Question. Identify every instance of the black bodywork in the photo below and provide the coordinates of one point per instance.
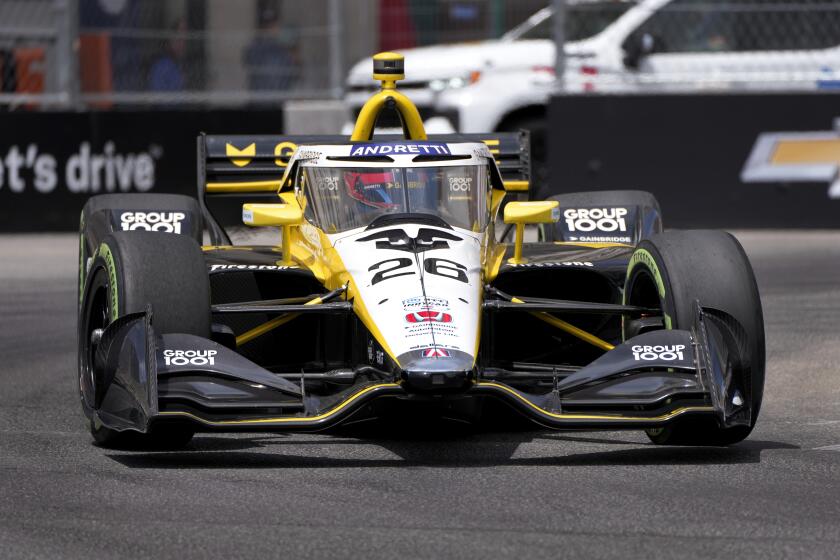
(324, 367)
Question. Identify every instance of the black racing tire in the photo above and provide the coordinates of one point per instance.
(144, 201)
(129, 271)
(673, 269)
(587, 199)
(95, 222)
(608, 198)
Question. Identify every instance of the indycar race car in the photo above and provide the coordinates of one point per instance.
(394, 283)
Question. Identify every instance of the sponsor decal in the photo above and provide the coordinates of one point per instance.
(600, 239)
(552, 264)
(328, 183)
(83, 172)
(189, 357)
(307, 154)
(434, 323)
(398, 240)
(428, 148)
(425, 302)
(240, 157)
(284, 151)
(591, 219)
(460, 184)
(663, 353)
(167, 222)
(428, 316)
(435, 352)
(215, 267)
(375, 355)
(782, 157)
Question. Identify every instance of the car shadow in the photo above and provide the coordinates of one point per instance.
(456, 447)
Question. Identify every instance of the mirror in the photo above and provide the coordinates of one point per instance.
(260, 215)
(529, 212)
(532, 212)
(637, 47)
(516, 186)
(285, 215)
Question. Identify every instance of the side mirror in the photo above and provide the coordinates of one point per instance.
(529, 212)
(260, 215)
(516, 186)
(638, 47)
(283, 215)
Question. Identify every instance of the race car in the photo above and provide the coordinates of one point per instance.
(401, 277)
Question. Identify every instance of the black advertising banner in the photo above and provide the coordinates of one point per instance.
(50, 163)
(729, 161)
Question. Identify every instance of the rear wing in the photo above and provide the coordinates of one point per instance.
(243, 168)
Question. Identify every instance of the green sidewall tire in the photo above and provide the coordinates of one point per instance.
(710, 266)
(139, 269)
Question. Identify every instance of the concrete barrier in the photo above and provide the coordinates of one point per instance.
(746, 160)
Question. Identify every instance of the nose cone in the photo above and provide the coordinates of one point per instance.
(436, 369)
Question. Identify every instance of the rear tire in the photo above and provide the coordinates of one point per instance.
(652, 214)
(129, 271)
(672, 270)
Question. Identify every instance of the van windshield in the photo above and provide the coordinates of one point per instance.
(583, 20)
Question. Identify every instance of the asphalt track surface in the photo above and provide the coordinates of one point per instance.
(433, 493)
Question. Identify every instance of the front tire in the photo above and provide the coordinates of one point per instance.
(129, 271)
(670, 271)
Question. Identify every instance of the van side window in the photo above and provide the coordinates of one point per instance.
(699, 26)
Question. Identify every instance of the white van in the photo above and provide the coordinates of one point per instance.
(655, 45)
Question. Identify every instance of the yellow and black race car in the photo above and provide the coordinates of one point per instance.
(401, 277)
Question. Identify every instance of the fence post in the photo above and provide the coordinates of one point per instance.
(559, 30)
(336, 54)
(67, 35)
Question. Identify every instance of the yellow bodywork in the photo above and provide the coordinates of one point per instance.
(307, 246)
(529, 212)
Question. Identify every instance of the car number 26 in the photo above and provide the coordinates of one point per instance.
(390, 268)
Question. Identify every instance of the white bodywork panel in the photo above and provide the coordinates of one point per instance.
(420, 298)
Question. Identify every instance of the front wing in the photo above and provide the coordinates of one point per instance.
(143, 379)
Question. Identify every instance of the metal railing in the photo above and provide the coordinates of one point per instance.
(156, 53)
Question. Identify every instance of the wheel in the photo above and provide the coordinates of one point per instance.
(103, 214)
(649, 222)
(130, 270)
(670, 271)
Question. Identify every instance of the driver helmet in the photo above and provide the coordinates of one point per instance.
(370, 187)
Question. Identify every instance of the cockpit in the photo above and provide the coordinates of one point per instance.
(345, 197)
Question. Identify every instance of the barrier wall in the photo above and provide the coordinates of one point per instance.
(756, 161)
(50, 163)
(766, 161)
